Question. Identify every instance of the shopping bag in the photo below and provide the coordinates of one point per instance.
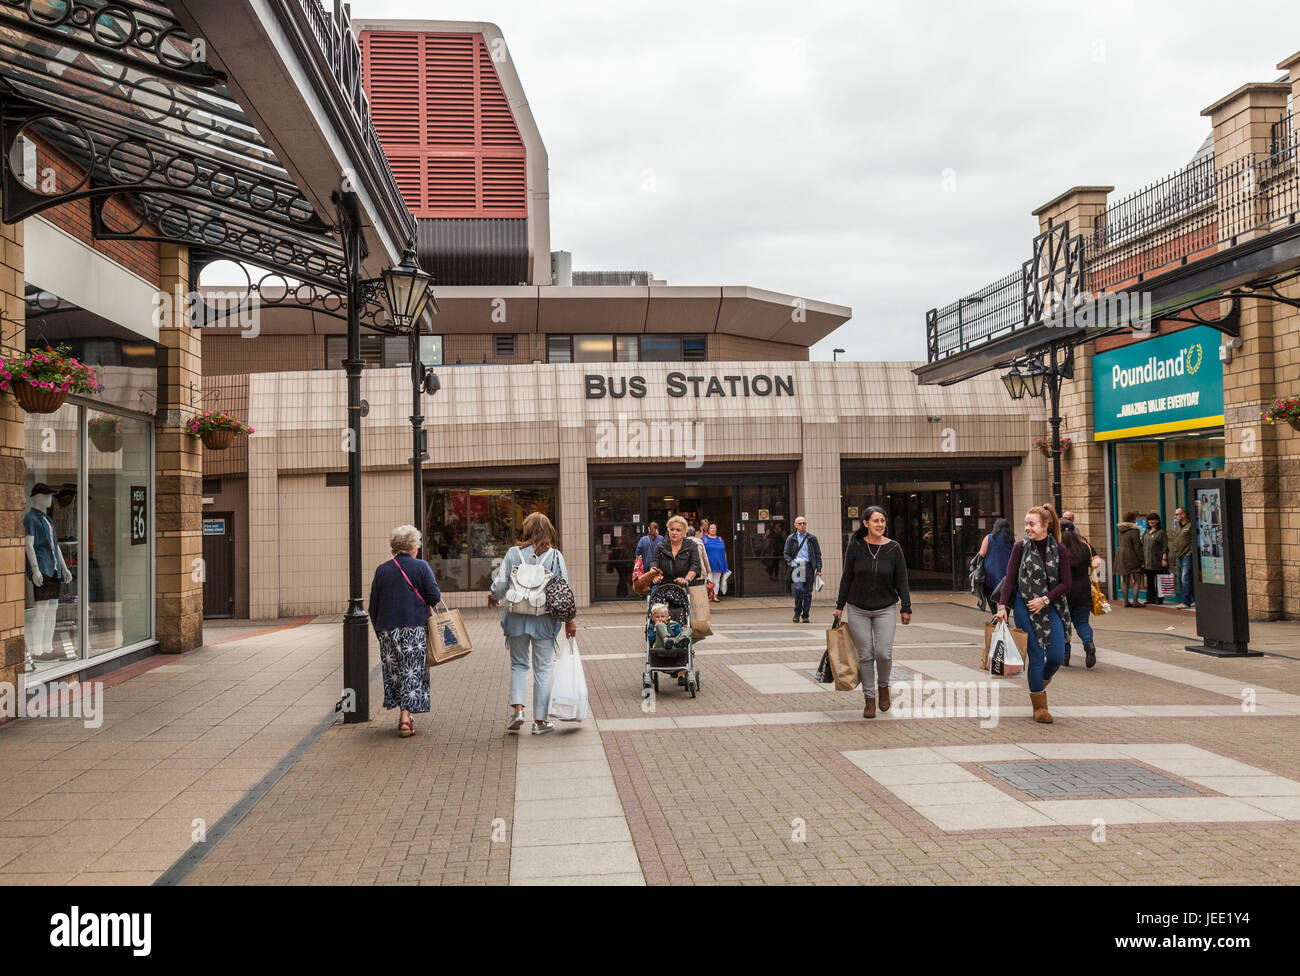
(1018, 636)
(1165, 582)
(843, 656)
(700, 627)
(568, 684)
(825, 673)
(448, 638)
(1005, 659)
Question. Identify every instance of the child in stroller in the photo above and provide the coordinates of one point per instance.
(668, 638)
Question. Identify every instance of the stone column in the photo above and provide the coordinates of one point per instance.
(178, 476)
(1243, 124)
(573, 508)
(13, 464)
(817, 498)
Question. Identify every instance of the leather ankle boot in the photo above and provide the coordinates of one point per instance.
(869, 708)
(882, 695)
(1039, 701)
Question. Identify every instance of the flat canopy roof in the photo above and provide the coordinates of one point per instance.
(729, 309)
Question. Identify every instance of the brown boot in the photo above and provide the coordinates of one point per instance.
(882, 694)
(869, 709)
(1039, 701)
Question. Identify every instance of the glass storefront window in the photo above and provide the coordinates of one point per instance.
(117, 544)
(51, 623)
(1137, 481)
(468, 531)
(87, 534)
(593, 348)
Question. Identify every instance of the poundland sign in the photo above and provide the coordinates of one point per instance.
(1169, 383)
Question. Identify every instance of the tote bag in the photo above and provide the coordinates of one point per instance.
(700, 626)
(843, 656)
(448, 639)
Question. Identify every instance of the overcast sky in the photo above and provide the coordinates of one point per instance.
(884, 156)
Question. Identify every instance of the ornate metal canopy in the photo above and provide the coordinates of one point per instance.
(117, 104)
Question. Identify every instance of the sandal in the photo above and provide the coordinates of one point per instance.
(406, 729)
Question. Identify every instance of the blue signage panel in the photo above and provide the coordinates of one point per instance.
(214, 526)
(1168, 383)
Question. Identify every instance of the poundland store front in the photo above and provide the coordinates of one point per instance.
(604, 454)
(1158, 412)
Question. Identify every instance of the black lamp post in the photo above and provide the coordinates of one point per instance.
(406, 293)
(1033, 380)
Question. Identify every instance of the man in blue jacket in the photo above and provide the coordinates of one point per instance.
(804, 557)
(645, 547)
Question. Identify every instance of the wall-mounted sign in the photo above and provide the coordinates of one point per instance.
(853, 511)
(744, 516)
(214, 526)
(139, 515)
(680, 385)
(1168, 383)
(762, 514)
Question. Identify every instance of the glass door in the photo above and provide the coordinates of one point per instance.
(616, 527)
(762, 524)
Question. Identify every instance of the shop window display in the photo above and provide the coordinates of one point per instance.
(469, 530)
(50, 520)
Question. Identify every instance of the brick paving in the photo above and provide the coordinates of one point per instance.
(778, 799)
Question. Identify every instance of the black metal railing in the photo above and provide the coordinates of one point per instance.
(995, 309)
(1190, 215)
(333, 33)
(1282, 142)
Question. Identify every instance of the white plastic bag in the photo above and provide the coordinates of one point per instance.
(1004, 657)
(568, 684)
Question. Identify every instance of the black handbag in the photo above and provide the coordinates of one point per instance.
(825, 676)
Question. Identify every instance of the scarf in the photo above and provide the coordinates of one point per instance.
(1035, 580)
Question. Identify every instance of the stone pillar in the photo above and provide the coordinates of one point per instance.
(1243, 124)
(573, 509)
(817, 498)
(1083, 484)
(13, 464)
(178, 478)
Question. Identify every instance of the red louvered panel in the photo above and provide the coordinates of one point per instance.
(409, 173)
(497, 122)
(505, 187)
(392, 80)
(452, 186)
(449, 89)
(445, 123)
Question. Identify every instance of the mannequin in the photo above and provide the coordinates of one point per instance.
(47, 571)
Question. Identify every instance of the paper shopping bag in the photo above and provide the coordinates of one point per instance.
(843, 656)
(700, 627)
(448, 638)
(1166, 583)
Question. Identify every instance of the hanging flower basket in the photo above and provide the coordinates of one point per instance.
(1044, 445)
(217, 440)
(1284, 410)
(106, 434)
(217, 429)
(42, 379)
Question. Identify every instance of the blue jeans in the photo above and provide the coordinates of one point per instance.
(1043, 663)
(543, 654)
(803, 599)
(1079, 613)
(1185, 579)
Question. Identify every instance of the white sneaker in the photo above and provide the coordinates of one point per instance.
(515, 721)
(1184, 606)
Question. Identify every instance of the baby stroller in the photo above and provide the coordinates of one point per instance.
(678, 655)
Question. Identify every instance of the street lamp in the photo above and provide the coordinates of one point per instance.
(406, 292)
(1034, 379)
(406, 295)
(1014, 381)
(835, 355)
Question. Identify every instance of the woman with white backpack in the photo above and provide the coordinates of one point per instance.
(530, 568)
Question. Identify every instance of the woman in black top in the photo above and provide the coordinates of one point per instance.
(677, 558)
(874, 579)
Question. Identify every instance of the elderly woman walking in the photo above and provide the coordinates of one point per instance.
(401, 596)
(528, 634)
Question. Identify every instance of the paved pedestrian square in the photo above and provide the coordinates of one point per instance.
(228, 765)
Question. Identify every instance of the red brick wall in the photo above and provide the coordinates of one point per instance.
(140, 257)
